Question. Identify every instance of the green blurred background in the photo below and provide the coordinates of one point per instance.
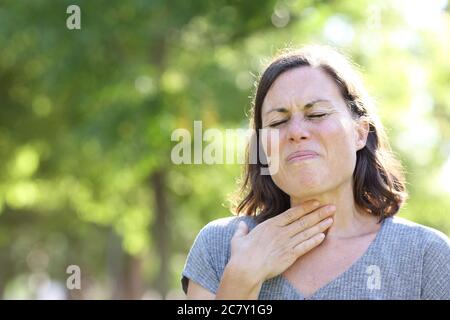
(86, 118)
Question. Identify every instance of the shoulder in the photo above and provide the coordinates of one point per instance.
(222, 229)
(417, 236)
(214, 240)
(434, 253)
(428, 236)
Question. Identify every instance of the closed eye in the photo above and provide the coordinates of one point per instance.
(275, 124)
(317, 115)
(311, 116)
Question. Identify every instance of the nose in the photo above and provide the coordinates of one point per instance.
(297, 129)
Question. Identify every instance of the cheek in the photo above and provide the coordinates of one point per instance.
(270, 140)
(338, 140)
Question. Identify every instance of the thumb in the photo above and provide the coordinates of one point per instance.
(241, 230)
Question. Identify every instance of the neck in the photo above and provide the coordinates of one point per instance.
(348, 221)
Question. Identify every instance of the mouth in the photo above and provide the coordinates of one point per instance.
(301, 155)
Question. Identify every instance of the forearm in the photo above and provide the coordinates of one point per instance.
(237, 285)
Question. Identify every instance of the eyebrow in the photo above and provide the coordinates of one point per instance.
(306, 106)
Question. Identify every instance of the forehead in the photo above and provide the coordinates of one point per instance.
(299, 86)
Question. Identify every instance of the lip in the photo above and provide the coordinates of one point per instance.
(301, 155)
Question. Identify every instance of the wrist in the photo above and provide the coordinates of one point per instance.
(243, 274)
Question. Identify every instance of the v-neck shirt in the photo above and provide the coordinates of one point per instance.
(406, 260)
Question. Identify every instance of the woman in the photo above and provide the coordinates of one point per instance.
(321, 225)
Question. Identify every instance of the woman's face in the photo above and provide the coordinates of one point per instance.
(317, 138)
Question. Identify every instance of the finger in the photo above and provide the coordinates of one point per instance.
(309, 244)
(309, 220)
(296, 212)
(311, 232)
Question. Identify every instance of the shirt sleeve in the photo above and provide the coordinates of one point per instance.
(436, 269)
(201, 266)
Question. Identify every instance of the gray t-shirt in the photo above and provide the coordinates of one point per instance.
(405, 261)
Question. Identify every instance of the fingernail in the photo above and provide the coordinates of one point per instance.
(326, 222)
(331, 208)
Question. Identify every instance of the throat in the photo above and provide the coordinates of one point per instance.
(327, 263)
(346, 227)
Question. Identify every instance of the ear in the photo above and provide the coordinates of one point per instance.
(362, 127)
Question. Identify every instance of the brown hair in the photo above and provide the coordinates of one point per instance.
(378, 180)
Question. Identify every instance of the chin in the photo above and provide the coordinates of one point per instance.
(307, 177)
(304, 191)
(303, 185)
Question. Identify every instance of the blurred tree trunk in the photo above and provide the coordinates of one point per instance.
(124, 270)
(160, 230)
(131, 282)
